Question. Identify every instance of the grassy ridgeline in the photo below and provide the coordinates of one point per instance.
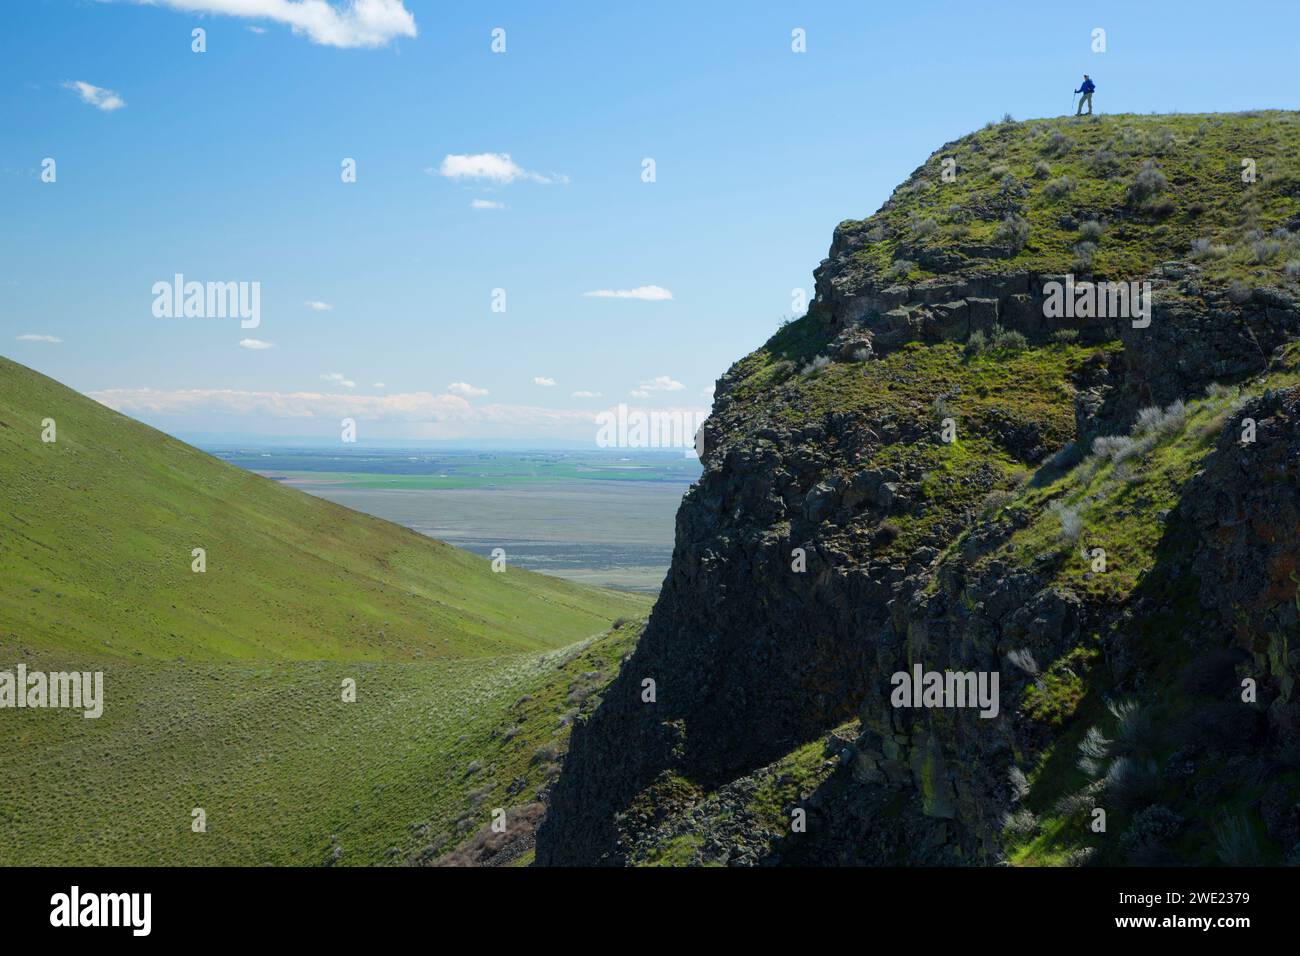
(1111, 195)
(223, 689)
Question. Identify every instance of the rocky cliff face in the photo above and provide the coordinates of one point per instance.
(935, 467)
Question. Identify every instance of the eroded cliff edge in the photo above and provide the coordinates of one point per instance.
(838, 535)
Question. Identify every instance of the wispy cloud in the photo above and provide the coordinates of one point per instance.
(410, 407)
(466, 389)
(318, 306)
(493, 167)
(543, 380)
(255, 344)
(379, 385)
(349, 24)
(96, 96)
(646, 293)
(583, 393)
(53, 340)
(486, 204)
(660, 383)
(338, 378)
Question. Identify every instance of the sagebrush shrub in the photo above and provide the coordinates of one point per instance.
(1149, 183)
(899, 269)
(921, 228)
(1071, 521)
(1014, 231)
(1008, 339)
(1059, 188)
(816, 365)
(1103, 163)
(977, 342)
(1264, 250)
(1084, 254)
(1239, 292)
(1058, 144)
(1206, 249)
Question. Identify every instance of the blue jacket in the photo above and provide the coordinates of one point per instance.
(1088, 87)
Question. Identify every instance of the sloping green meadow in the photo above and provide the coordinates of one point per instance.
(224, 690)
(275, 758)
(285, 771)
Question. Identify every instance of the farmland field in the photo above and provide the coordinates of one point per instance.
(603, 519)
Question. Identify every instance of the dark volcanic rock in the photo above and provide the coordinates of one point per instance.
(790, 602)
(1245, 511)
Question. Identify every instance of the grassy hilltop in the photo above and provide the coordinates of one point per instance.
(1109, 195)
(223, 688)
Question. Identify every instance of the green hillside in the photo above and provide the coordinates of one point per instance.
(287, 773)
(223, 689)
(98, 527)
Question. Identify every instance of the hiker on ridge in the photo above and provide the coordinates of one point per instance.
(1086, 89)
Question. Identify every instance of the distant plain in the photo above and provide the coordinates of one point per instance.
(597, 518)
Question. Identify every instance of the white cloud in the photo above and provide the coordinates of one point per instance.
(543, 380)
(646, 293)
(255, 344)
(355, 23)
(338, 378)
(408, 407)
(96, 96)
(40, 338)
(661, 383)
(257, 30)
(639, 393)
(318, 306)
(379, 385)
(486, 204)
(707, 391)
(583, 393)
(494, 167)
(466, 389)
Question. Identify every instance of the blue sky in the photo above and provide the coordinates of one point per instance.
(225, 166)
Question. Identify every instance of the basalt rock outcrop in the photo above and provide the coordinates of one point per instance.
(837, 537)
